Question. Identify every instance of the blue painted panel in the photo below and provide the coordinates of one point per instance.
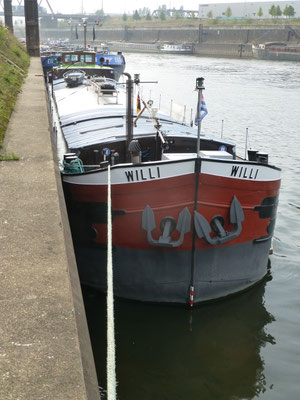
(110, 59)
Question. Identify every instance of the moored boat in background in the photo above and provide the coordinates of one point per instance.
(56, 57)
(176, 48)
(85, 61)
(191, 221)
(276, 51)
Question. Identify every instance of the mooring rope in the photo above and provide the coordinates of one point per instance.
(111, 360)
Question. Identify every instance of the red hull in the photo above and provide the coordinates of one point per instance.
(169, 197)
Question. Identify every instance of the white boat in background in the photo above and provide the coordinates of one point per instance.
(176, 48)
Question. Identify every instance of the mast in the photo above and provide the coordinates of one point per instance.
(129, 113)
(84, 23)
(200, 88)
(129, 126)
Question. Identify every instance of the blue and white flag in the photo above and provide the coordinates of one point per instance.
(203, 111)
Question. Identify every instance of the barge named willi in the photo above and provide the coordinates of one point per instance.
(191, 221)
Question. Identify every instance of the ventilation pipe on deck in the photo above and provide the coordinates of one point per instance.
(129, 114)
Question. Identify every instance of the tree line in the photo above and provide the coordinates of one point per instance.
(274, 11)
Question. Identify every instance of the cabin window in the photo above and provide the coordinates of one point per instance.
(88, 58)
(74, 57)
(82, 58)
(67, 58)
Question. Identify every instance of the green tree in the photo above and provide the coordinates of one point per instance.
(99, 13)
(148, 17)
(124, 18)
(292, 11)
(144, 11)
(228, 12)
(136, 16)
(209, 14)
(272, 11)
(285, 12)
(278, 11)
(289, 11)
(177, 16)
(260, 12)
(162, 16)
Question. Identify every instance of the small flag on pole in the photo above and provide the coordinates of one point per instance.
(203, 111)
(138, 104)
(94, 33)
(76, 33)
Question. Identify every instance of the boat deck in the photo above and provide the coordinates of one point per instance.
(89, 116)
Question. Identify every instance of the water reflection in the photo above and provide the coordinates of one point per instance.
(169, 353)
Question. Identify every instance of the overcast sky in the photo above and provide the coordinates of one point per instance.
(121, 6)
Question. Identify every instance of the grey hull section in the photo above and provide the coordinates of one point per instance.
(165, 276)
(276, 56)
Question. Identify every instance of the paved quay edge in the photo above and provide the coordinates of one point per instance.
(45, 350)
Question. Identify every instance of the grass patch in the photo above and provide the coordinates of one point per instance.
(11, 77)
(9, 157)
(117, 22)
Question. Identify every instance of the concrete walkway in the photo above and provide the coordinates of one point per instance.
(45, 350)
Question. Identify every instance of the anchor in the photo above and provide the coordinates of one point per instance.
(203, 228)
(167, 226)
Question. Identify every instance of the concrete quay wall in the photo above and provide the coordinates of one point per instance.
(233, 50)
(206, 41)
(134, 47)
(45, 349)
(227, 50)
(192, 35)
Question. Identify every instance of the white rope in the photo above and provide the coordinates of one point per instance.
(111, 360)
